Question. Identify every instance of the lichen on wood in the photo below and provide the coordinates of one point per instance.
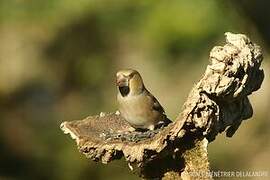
(218, 102)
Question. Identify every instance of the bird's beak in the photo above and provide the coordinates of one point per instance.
(121, 82)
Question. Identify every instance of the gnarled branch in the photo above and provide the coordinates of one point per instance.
(219, 101)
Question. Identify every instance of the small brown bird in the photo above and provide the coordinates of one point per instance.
(136, 104)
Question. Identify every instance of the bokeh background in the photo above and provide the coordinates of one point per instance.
(58, 60)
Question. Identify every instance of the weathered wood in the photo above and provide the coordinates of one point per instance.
(219, 101)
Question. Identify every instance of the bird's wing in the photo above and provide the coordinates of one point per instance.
(156, 104)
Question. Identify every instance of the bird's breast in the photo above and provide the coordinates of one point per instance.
(137, 110)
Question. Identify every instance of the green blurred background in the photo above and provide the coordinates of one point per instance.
(58, 60)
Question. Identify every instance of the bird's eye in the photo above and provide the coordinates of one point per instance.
(131, 75)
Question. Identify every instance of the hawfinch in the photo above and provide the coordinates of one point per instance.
(136, 104)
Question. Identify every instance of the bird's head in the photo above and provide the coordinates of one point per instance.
(129, 81)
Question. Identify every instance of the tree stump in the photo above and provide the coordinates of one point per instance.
(217, 103)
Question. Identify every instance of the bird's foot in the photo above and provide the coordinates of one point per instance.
(151, 127)
(131, 129)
